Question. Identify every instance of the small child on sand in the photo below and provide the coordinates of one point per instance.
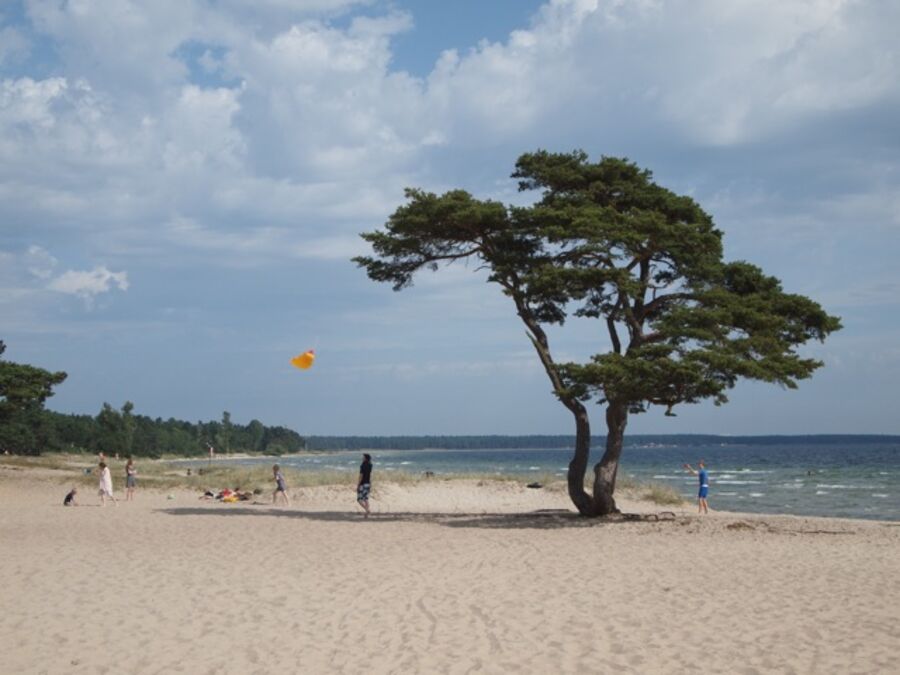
(70, 498)
(281, 487)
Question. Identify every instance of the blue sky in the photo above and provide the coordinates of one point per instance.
(182, 184)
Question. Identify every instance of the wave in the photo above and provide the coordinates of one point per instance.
(745, 471)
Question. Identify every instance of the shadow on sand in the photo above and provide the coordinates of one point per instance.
(543, 520)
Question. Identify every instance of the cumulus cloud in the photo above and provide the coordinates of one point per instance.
(308, 128)
(718, 73)
(89, 283)
(32, 276)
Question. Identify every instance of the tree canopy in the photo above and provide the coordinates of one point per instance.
(606, 242)
(23, 390)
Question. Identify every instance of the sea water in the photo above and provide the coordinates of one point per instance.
(855, 480)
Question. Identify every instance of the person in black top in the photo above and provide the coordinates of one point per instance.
(365, 482)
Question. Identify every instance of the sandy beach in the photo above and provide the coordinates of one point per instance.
(446, 577)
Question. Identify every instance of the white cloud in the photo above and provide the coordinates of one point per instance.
(27, 103)
(30, 279)
(313, 135)
(39, 262)
(199, 130)
(90, 283)
(721, 73)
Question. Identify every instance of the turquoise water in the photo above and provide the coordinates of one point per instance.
(859, 480)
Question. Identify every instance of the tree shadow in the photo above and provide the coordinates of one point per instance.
(532, 520)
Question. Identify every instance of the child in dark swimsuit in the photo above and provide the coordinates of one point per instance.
(280, 486)
(70, 498)
(364, 485)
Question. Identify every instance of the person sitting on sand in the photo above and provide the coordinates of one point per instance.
(70, 498)
(280, 487)
(364, 485)
(105, 487)
(702, 506)
(236, 495)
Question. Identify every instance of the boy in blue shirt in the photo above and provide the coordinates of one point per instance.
(702, 506)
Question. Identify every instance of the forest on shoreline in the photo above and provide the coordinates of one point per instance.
(122, 432)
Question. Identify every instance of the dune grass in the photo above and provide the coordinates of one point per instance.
(660, 494)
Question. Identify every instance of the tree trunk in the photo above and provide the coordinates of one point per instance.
(578, 465)
(606, 469)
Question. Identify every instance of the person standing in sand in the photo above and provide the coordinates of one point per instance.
(280, 487)
(105, 486)
(702, 506)
(130, 480)
(364, 485)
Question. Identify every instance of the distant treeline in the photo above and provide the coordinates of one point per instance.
(524, 442)
(124, 433)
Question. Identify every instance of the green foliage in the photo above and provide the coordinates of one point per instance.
(605, 241)
(223, 435)
(110, 435)
(23, 390)
(128, 427)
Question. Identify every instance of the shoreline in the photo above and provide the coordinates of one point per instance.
(69, 468)
(479, 491)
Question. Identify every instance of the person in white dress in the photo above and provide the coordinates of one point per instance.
(105, 486)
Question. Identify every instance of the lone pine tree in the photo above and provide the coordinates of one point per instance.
(606, 242)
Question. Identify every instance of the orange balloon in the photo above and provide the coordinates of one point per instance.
(304, 360)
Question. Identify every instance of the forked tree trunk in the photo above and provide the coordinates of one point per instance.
(578, 465)
(607, 468)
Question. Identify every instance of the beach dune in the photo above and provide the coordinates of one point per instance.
(446, 577)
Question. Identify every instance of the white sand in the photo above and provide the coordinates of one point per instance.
(446, 578)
